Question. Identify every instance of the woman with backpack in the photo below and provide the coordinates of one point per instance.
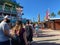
(29, 31)
(19, 34)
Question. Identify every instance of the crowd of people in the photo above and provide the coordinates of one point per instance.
(19, 34)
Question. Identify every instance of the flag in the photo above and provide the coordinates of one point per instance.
(47, 14)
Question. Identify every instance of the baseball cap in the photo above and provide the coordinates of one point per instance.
(8, 17)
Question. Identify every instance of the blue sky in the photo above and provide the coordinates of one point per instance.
(33, 7)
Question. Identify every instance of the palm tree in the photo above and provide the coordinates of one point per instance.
(59, 12)
(52, 14)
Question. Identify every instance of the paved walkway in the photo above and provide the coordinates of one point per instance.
(47, 37)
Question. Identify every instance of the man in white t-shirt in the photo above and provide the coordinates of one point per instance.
(4, 31)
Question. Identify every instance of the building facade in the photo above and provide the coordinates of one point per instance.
(9, 8)
(53, 23)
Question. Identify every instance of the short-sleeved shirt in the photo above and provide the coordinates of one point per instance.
(3, 26)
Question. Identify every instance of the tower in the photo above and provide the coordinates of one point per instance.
(38, 18)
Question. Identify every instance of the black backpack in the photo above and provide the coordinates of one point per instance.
(28, 30)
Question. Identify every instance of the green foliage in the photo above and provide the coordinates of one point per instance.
(52, 14)
(59, 12)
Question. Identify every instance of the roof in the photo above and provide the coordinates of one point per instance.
(54, 18)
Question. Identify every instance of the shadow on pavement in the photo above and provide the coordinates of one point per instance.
(34, 43)
(45, 35)
(41, 34)
(45, 44)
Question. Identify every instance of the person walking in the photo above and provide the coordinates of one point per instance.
(36, 29)
(29, 31)
(4, 31)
